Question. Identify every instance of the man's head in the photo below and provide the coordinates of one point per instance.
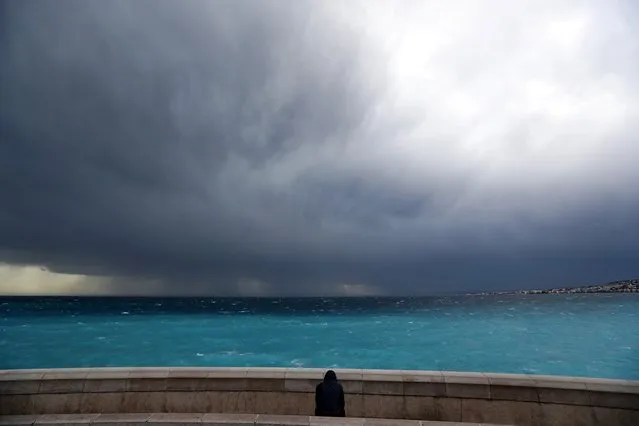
(330, 376)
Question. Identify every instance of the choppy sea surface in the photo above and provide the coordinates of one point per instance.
(593, 335)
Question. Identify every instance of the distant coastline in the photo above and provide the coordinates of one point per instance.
(623, 286)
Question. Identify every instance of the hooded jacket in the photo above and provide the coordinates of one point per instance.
(329, 397)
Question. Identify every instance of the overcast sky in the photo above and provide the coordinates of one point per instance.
(317, 147)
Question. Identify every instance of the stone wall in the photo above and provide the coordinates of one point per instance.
(420, 395)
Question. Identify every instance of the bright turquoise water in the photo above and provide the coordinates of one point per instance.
(578, 335)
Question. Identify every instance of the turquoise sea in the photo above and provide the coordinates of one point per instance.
(594, 335)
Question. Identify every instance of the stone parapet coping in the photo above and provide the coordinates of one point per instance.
(211, 419)
(488, 386)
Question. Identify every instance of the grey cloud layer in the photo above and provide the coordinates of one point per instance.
(206, 146)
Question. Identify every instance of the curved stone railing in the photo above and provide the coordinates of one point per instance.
(419, 395)
(209, 419)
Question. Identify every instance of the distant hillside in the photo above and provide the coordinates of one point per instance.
(623, 286)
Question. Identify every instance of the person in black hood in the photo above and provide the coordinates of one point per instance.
(329, 397)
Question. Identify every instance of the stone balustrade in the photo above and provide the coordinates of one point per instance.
(417, 395)
(209, 419)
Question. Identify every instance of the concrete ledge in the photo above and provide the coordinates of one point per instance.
(213, 419)
(412, 395)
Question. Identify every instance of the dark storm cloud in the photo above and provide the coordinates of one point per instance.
(195, 147)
